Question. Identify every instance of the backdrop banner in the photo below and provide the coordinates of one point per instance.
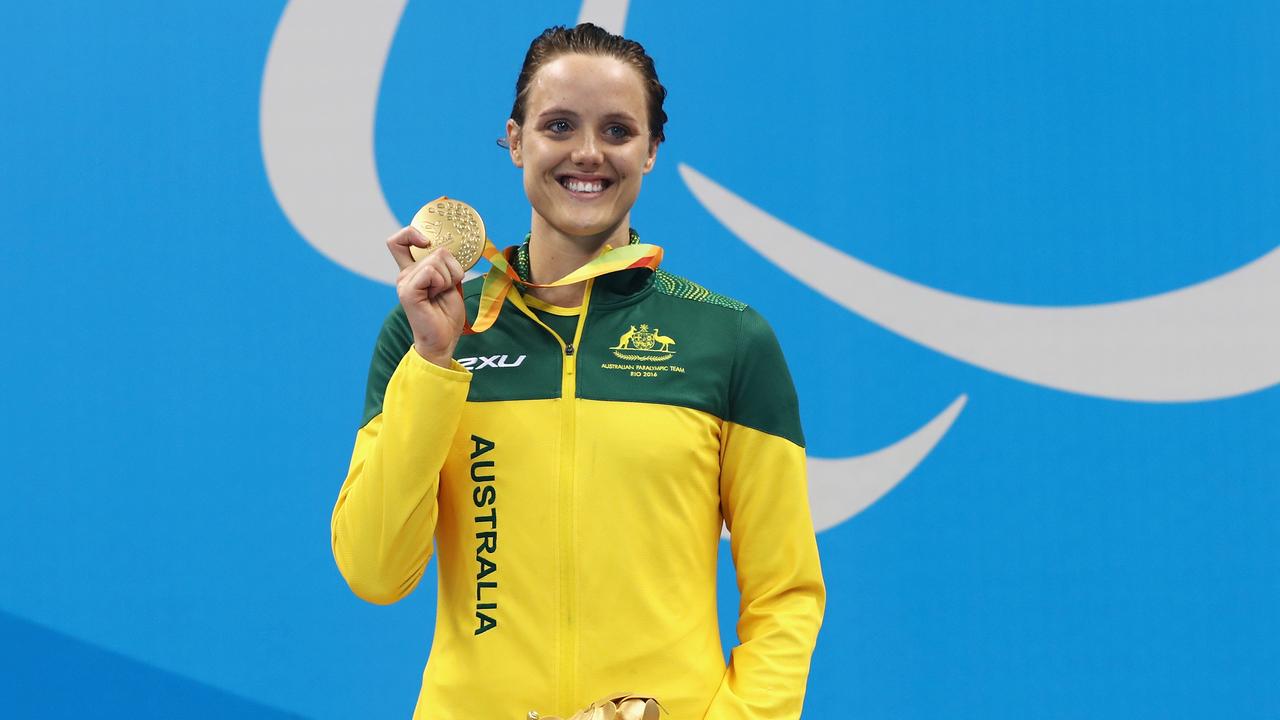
(1023, 259)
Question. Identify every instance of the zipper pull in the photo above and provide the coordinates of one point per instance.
(568, 350)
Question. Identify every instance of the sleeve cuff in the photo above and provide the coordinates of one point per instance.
(415, 363)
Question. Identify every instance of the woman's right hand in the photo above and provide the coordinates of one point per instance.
(426, 289)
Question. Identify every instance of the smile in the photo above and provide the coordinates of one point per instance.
(584, 186)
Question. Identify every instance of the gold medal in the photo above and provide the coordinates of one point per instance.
(451, 224)
(614, 707)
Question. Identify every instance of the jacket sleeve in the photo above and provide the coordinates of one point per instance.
(764, 500)
(385, 517)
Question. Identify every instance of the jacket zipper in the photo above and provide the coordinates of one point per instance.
(567, 644)
(568, 517)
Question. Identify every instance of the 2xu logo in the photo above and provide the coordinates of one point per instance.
(482, 362)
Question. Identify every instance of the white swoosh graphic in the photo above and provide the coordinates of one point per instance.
(608, 14)
(319, 98)
(1215, 339)
(318, 107)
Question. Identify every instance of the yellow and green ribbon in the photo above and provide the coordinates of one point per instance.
(502, 276)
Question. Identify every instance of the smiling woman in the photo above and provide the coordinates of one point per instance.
(585, 132)
(644, 413)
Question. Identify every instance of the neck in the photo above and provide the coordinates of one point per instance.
(554, 254)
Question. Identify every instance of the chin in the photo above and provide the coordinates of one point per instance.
(585, 226)
(597, 229)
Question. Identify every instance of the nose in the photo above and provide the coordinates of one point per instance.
(587, 153)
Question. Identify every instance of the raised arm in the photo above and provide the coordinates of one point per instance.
(386, 511)
(764, 498)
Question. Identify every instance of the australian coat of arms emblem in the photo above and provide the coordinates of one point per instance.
(644, 345)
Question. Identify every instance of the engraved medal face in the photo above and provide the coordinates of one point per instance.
(454, 225)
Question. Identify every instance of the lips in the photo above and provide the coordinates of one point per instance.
(584, 184)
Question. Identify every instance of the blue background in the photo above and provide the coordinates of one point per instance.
(183, 373)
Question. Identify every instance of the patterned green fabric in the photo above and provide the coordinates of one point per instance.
(676, 286)
(522, 261)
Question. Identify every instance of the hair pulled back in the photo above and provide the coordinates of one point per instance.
(589, 39)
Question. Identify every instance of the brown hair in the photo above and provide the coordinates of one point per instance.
(589, 39)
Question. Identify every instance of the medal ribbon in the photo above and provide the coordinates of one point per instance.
(502, 276)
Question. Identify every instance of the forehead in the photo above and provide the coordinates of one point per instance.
(588, 84)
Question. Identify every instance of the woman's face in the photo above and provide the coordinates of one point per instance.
(584, 144)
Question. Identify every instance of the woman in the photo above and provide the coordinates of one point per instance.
(575, 461)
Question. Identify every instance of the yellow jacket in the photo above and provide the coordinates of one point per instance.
(575, 489)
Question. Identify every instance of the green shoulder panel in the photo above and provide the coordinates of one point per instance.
(664, 343)
(762, 394)
(680, 344)
(685, 345)
(394, 340)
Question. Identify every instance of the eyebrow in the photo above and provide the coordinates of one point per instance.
(557, 110)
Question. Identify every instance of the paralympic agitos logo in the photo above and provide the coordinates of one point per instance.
(1210, 340)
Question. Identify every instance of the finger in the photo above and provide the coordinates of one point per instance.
(411, 278)
(439, 283)
(448, 265)
(416, 266)
(426, 278)
(400, 243)
(407, 271)
(411, 235)
(408, 283)
(435, 273)
(456, 272)
(399, 248)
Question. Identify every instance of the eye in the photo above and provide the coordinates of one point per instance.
(618, 132)
(559, 126)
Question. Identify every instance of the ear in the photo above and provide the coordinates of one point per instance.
(513, 143)
(653, 156)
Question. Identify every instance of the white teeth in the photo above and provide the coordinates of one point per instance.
(584, 186)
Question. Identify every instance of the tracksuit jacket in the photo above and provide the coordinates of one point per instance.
(573, 490)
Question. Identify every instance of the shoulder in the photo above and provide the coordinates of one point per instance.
(729, 319)
(760, 392)
(675, 286)
(751, 332)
